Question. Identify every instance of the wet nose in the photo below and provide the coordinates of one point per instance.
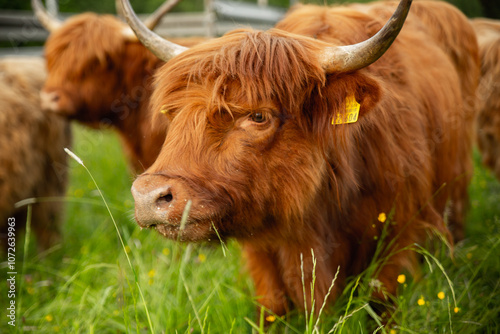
(49, 101)
(158, 200)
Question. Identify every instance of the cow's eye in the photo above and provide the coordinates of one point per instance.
(258, 117)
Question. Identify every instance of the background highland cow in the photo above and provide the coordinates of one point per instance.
(32, 160)
(100, 75)
(488, 121)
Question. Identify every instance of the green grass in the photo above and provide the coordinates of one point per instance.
(86, 285)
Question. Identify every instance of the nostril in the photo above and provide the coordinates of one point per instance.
(55, 98)
(168, 198)
(165, 199)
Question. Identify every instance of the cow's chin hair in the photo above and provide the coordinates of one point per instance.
(192, 232)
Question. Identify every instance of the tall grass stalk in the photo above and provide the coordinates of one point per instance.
(304, 290)
(185, 215)
(223, 244)
(449, 316)
(426, 254)
(25, 254)
(349, 302)
(326, 298)
(183, 278)
(343, 319)
(79, 161)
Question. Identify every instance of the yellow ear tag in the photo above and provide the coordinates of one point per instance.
(164, 110)
(351, 112)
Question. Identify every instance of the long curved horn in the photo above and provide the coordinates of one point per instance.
(46, 19)
(152, 21)
(354, 57)
(163, 49)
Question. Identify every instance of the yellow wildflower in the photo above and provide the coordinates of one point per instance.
(469, 256)
(382, 217)
(151, 281)
(456, 310)
(127, 249)
(401, 279)
(49, 317)
(441, 295)
(152, 273)
(392, 331)
(202, 257)
(270, 318)
(166, 251)
(421, 301)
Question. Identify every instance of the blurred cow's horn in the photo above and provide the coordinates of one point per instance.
(46, 19)
(162, 48)
(152, 21)
(354, 57)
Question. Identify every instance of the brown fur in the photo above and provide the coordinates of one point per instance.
(488, 124)
(295, 182)
(103, 79)
(32, 160)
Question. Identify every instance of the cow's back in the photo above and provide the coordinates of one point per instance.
(451, 30)
(439, 38)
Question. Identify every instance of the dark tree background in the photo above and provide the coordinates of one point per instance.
(491, 8)
(472, 8)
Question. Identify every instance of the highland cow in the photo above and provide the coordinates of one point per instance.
(100, 75)
(488, 119)
(298, 138)
(32, 159)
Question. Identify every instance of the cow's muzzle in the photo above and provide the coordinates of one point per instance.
(50, 101)
(158, 200)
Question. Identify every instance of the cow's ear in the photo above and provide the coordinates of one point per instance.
(365, 90)
(344, 99)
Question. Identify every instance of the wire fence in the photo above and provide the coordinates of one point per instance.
(21, 33)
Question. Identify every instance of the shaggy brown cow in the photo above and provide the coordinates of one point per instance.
(488, 120)
(100, 75)
(261, 141)
(32, 160)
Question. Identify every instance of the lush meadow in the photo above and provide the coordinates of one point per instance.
(92, 283)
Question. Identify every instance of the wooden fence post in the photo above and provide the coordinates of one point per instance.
(209, 18)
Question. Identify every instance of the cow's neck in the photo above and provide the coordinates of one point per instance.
(317, 240)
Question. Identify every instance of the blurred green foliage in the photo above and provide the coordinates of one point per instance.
(471, 8)
(107, 6)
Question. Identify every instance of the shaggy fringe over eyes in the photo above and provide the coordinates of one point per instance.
(66, 47)
(262, 66)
